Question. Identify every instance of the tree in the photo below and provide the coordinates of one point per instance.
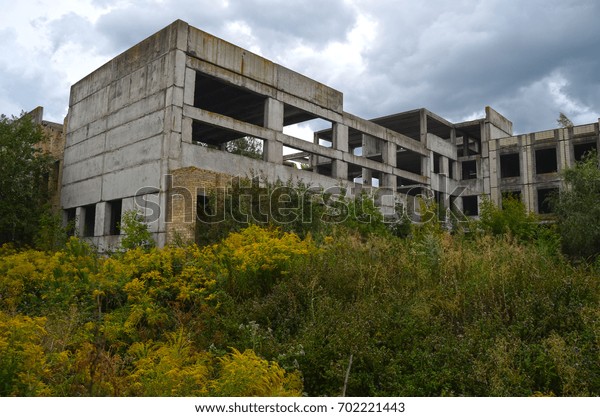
(24, 170)
(246, 146)
(578, 209)
(512, 218)
(135, 231)
(564, 121)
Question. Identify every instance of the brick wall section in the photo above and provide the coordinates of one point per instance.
(55, 146)
(187, 183)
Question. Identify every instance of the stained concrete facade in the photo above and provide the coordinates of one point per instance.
(159, 119)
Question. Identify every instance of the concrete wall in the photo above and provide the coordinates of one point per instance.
(129, 128)
(120, 121)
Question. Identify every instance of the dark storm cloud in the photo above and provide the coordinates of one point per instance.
(455, 58)
(529, 60)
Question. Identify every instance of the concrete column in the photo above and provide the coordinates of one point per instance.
(367, 176)
(563, 150)
(273, 150)
(388, 153)
(186, 130)
(423, 126)
(339, 169)
(102, 223)
(79, 221)
(189, 89)
(340, 137)
(314, 159)
(527, 155)
(444, 166)
(369, 145)
(389, 181)
(273, 114)
(427, 164)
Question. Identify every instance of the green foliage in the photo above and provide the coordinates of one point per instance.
(266, 313)
(297, 208)
(136, 233)
(247, 375)
(22, 361)
(51, 234)
(23, 179)
(512, 219)
(578, 209)
(563, 120)
(246, 146)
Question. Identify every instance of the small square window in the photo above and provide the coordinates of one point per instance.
(470, 205)
(509, 165)
(89, 220)
(545, 161)
(543, 197)
(469, 170)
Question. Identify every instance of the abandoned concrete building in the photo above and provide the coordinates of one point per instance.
(158, 117)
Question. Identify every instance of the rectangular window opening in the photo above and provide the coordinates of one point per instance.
(582, 149)
(408, 161)
(469, 170)
(451, 168)
(203, 209)
(470, 205)
(115, 209)
(545, 161)
(297, 158)
(89, 220)
(218, 96)
(510, 165)
(248, 146)
(307, 126)
(437, 163)
(543, 199)
(70, 218)
(512, 194)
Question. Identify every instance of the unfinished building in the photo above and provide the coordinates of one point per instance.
(150, 130)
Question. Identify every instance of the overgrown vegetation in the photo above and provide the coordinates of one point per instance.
(24, 171)
(578, 209)
(265, 312)
(276, 302)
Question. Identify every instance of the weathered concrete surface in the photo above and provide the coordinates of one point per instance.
(135, 121)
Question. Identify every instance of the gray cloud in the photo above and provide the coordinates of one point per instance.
(529, 60)
(463, 57)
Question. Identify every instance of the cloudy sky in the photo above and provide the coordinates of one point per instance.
(529, 59)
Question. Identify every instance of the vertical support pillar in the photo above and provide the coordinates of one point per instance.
(444, 166)
(339, 168)
(79, 221)
(340, 137)
(273, 149)
(189, 87)
(423, 126)
(367, 176)
(388, 154)
(102, 225)
(527, 155)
